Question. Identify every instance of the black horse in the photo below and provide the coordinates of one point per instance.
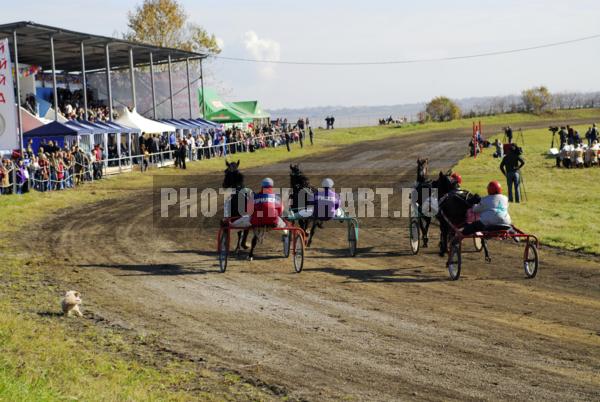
(302, 192)
(423, 189)
(453, 204)
(240, 196)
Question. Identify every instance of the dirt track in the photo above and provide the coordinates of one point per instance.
(382, 326)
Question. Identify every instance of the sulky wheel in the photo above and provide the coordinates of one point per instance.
(223, 250)
(298, 252)
(530, 260)
(352, 238)
(414, 234)
(285, 240)
(454, 260)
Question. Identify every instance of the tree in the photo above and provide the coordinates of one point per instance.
(442, 109)
(164, 23)
(537, 100)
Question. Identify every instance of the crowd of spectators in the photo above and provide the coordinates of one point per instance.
(51, 168)
(576, 151)
(54, 167)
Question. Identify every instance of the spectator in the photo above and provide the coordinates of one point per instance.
(510, 166)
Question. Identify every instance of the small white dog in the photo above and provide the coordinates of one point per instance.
(70, 303)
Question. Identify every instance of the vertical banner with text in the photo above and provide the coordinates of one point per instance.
(8, 115)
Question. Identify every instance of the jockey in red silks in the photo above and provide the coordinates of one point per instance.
(267, 209)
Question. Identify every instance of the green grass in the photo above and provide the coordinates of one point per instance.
(562, 204)
(46, 358)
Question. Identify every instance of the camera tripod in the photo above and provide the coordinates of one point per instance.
(519, 135)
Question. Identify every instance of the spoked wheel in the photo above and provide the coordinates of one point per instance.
(285, 239)
(223, 250)
(530, 260)
(414, 232)
(478, 243)
(352, 238)
(454, 260)
(298, 252)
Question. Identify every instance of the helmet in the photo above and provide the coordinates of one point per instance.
(494, 188)
(267, 182)
(327, 183)
(456, 177)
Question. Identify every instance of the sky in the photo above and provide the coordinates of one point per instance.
(375, 30)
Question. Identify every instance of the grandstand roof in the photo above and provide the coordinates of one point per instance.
(34, 48)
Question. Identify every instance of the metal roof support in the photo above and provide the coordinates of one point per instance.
(108, 86)
(19, 118)
(55, 93)
(132, 77)
(171, 89)
(152, 84)
(202, 88)
(189, 85)
(84, 81)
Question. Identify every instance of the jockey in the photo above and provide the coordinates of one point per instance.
(267, 209)
(456, 180)
(326, 202)
(267, 206)
(493, 210)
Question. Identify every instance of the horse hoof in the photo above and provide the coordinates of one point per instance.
(250, 258)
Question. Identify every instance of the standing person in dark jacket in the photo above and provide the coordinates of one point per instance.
(182, 153)
(510, 166)
(311, 134)
(509, 134)
(287, 140)
(562, 134)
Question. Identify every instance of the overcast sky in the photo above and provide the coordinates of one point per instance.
(375, 30)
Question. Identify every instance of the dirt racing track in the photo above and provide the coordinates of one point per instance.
(385, 325)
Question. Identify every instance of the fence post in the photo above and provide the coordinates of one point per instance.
(14, 177)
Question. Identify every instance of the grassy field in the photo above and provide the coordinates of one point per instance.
(45, 357)
(562, 204)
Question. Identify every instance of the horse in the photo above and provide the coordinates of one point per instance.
(453, 205)
(237, 203)
(423, 185)
(302, 191)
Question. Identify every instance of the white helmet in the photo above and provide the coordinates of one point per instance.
(327, 183)
(267, 182)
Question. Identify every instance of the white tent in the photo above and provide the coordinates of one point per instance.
(135, 120)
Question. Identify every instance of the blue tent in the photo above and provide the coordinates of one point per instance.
(178, 124)
(80, 129)
(94, 128)
(51, 129)
(210, 123)
(116, 127)
(198, 124)
(54, 131)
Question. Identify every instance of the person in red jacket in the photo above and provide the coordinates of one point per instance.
(266, 209)
(266, 212)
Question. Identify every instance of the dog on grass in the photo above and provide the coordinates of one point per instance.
(70, 303)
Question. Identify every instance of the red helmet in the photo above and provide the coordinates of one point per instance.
(494, 187)
(456, 177)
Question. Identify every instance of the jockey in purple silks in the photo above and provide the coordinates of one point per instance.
(326, 202)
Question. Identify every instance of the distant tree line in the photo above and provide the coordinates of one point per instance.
(536, 100)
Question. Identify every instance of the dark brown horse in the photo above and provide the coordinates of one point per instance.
(240, 196)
